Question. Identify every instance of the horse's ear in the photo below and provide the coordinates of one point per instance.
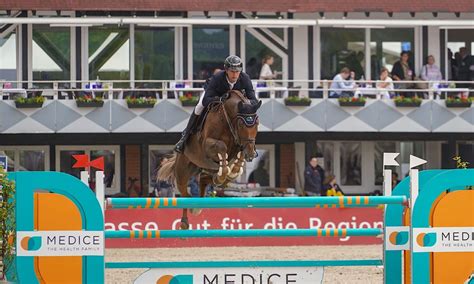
(257, 106)
(240, 105)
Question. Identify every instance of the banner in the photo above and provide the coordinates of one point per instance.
(248, 218)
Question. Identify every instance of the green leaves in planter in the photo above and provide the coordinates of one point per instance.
(147, 102)
(405, 100)
(34, 102)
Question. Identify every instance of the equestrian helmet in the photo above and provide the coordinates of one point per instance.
(233, 63)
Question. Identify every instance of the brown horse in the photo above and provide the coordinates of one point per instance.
(219, 151)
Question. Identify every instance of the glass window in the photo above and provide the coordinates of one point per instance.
(109, 54)
(154, 54)
(386, 46)
(258, 171)
(67, 161)
(10, 159)
(210, 48)
(380, 148)
(407, 149)
(8, 57)
(51, 53)
(325, 154)
(32, 160)
(110, 179)
(155, 160)
(351, 163)
(342, 48)
(255, 52)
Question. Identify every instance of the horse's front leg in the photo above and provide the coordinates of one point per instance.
(237, 167)
(216, 150)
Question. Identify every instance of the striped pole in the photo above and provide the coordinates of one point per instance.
(256, 202)
(167, 234)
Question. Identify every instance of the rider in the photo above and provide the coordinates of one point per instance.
(232, 78)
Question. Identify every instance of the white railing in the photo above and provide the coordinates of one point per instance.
(169, 89)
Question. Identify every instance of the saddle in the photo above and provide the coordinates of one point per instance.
(202, 118)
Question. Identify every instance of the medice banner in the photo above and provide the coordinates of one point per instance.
(229, 219)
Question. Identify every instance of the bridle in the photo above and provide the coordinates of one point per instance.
(241, 142)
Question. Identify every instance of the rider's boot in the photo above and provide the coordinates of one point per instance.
(186, 132)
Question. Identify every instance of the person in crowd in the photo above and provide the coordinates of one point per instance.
(216, 70)
(260, 175)
(385, 84)
(266, 72)
(193, 186)
(430, 71)
(403, 71)
(355, 62)
(465, 67)
(331, 188)
(313, 177)
(252, 68)
(395, 179)
(163, 188)
(343, 84)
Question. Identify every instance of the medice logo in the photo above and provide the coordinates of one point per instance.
(30, 243)
(176, 279)
(398, 238)
(426, 240)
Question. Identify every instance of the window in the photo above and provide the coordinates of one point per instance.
(325, 154)
(26, 158)
(386, 46)
(51, 58)
(156, 154)
(111, 154)
(351, 163)
(255, 51)
(459, 40)
(380, 148)
(154, 54)
(342, 48)
(210, 48)
(109, 54)
(8, 57)
(258, 171)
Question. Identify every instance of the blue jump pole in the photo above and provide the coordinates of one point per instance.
(256, 202)
(166, 234)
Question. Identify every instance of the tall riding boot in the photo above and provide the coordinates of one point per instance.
(186, 132)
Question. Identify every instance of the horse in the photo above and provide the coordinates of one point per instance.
(219, 150)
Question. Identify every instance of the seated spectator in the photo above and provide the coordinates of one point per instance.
(431, 72)
(341, 86)
(385, 84)
(402, 71)
(331, 188)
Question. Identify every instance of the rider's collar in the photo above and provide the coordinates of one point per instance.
(230, 83)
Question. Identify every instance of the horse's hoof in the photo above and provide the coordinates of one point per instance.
(195, 211)
(184, 226)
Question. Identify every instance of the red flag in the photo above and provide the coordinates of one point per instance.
(82, 161)
(97, 163)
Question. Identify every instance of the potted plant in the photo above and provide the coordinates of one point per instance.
(146, 102)
(352, 101)
(188, 100)
(402, 101)
(7, 226)
(34, 102)
(89, 101)
(458, 102)
(297, 101)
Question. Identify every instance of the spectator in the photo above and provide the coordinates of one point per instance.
(340, 86)
(260, 175)
(402, 71)
(465, 67)
(331, 188)
(163, 188)
(266, 72)
(193, 186)
(252, 68)
(385, 84)
(313, 177)
(216, 70)
(395, 179)
(431, 72)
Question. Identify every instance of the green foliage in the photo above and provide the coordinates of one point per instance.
(189, 98)
(352, 100)
(7, 223)
(89, 99)
(295, 99)
(457, 100)
(402, 99)
(38, 100)
(141, 101)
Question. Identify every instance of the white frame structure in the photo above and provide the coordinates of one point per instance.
(17, 150)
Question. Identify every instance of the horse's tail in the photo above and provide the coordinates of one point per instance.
(166, 172)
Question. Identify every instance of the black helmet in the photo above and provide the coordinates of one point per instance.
(233, 63)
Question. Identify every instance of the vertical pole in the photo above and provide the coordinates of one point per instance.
(100, 189)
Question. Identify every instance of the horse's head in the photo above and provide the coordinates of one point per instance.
(247, 127)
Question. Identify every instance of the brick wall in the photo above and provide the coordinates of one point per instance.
(287, 165)
(132, 169)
